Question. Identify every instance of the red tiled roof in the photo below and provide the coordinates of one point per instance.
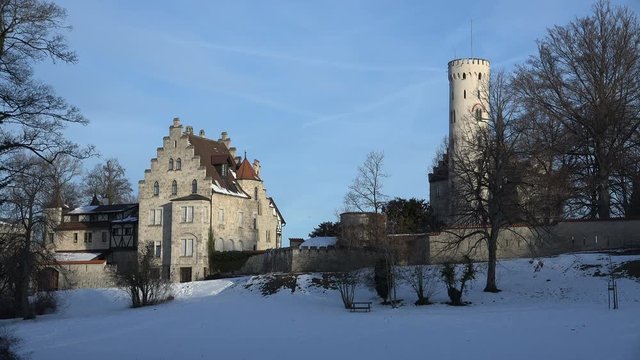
(213, 153)
(245, 171)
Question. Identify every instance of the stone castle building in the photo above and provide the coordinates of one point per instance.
(468, 111)
(197, 191)
(87, 240)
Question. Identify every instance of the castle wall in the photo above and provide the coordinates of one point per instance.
(85, 276)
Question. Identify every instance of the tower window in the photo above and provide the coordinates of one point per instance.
(174, 187)
(255, 194)
(479, 76)
(171, 164)
(194, 186)
(454, 116)
(464, 94)
(156, 189)
(478, 94)
(178, 164)
(464, 76)
(478, 115)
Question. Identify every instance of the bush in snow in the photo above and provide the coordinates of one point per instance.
(143, 282)
(346, 283)
(421, 278)
(45, 303)
(8, 344)
(383, 278)
(455, 285)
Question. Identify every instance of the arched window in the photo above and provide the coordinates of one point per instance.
(178, 164)
(479, 76)
(464, 76)
(465, 94)
(194, 186)
(156, 189)
(478, 114)
(171, 164)
(174, 187)
(255, 194)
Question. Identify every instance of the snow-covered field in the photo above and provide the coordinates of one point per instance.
(559, 312)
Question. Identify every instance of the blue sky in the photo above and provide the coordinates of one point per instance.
(307, 87)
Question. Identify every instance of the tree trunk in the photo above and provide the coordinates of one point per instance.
(24, 308)
(492, 246)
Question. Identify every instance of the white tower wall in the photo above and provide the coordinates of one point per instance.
(468, 81)
(468, 112)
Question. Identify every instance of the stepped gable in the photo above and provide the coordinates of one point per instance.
(213, 155)
(246, 172)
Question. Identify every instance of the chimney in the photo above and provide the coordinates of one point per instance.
(189, 130)
(238, 159)
(201, 133)
(233, 150)
(256, 166)
(225, 139)
(176, 121)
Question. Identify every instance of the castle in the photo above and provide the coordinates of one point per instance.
(197, 193)
(468, 112)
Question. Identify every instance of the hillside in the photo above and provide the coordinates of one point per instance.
(558, 312)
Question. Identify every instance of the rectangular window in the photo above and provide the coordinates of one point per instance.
(51, 238)
(259, 208)
(187, 247)
(75, 237)
(221, 216)
(240, 219)
(255, 222)
(155, 217)
(187, 213)
(104, 236)
(128, 231)
(87, 237)
(103, 217)
(157, 249)
(268, 235)
(116, 231)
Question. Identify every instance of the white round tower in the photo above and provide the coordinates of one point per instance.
(468, 106)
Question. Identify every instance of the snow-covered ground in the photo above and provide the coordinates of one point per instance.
(558, 312)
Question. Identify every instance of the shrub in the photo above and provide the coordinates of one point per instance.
(421, 278)
(346, 284)
(45, 303)
(143, 282)
(228, 261)
(451, 280)
(383, 278)
(8, 344)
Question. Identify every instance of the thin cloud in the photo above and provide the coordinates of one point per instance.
(399, 94)
(302, 60)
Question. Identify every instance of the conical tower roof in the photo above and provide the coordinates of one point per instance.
(246, 172)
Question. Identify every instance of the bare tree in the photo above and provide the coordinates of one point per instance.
(33, 117)
(109, 181)
(143, 282)
(346, 283)
(26, 198)
(586, 78)
(487, 175)
(365, 193)
(421, 278)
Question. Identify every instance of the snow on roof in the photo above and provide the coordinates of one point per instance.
(220, 190)
(76, 256)
(323, 241)
(83, 209)
(127, 219)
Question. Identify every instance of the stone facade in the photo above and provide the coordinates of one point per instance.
(197, 188)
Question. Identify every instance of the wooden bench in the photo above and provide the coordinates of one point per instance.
(364, 306)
